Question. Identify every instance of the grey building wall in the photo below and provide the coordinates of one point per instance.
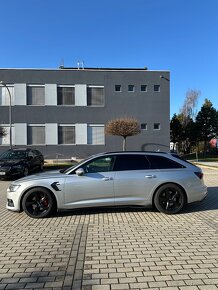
(147, 107)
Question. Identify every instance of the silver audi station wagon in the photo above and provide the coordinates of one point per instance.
(125, 178)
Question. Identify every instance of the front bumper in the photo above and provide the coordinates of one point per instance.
(13, 201)
(11, 172)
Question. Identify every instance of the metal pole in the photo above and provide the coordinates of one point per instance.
(10, 112)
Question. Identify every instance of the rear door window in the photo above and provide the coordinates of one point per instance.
(130, 162)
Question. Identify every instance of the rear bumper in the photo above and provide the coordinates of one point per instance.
(198, 195)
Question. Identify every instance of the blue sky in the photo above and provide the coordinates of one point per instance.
(176, 35)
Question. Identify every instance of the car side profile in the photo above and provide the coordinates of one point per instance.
(111, 179)
(20, 161)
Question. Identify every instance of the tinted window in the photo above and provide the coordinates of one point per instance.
(36, 152)
(130, 162)
(31, 154)
(102, 164)
(160, 162)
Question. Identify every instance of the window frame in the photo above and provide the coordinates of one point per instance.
(120, 88)
(159, 127)
(94, 126)
(5, 95)
(34, 126)
(28, 86)
(131, 88)
(64, 126)
(103, 98)
(66, 86)
(146, 88)
(157, 86)
(146, 126)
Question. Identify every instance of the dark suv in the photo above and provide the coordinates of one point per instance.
(20, 162)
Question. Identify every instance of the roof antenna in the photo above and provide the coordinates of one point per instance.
(61, 63)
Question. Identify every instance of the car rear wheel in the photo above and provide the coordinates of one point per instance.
(169, 198)
(38, 203)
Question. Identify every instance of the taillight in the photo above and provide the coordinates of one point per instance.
(199, 174)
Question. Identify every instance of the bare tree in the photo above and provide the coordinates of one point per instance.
(124, 127)
(189, 108)
(3, 132)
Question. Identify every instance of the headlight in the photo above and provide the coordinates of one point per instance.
(14, 187)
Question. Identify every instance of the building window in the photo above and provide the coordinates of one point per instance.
(66, 134)
(35, 135)
(95, 134)
(156, 126)
(118, 88)
(35, 95)
(131, 88)
(95, 96)
(66, 96)
(144, 126)
(143, 88)
(156, 88)
(5, 97)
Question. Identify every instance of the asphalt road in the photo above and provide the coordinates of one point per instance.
(107, 249)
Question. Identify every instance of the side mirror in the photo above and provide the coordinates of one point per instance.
(80, 172)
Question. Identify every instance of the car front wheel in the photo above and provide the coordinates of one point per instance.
(38, 203)
(169, 199)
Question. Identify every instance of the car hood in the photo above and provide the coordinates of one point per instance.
(6, 163)
(45, 175)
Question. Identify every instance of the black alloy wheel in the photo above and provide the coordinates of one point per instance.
(169, 199)
(38, 203)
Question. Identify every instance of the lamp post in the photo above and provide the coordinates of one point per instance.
(10, 112)
(163, 77)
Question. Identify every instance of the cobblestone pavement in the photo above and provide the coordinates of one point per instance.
(108, 249)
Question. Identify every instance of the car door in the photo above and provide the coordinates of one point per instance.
(134, 180)
(94, 187)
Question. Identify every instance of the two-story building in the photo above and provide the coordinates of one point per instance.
(63, 112)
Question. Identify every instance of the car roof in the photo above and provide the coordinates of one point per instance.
(135, 152)
(20, 149)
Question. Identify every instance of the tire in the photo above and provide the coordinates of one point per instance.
(25, 171)
(169, 199)
(38, 203)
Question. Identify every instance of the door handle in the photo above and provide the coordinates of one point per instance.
(107, 178)
(150, 176)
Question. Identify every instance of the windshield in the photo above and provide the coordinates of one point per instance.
(9, 155)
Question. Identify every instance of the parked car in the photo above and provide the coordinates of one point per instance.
(111, 179)
(20, 162)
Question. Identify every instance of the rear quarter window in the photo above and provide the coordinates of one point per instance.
(160, 162)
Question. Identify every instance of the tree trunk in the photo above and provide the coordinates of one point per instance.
(124, 143)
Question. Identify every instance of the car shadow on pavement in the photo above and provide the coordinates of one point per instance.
(210, 203)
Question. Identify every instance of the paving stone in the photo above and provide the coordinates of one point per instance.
(109, 249)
